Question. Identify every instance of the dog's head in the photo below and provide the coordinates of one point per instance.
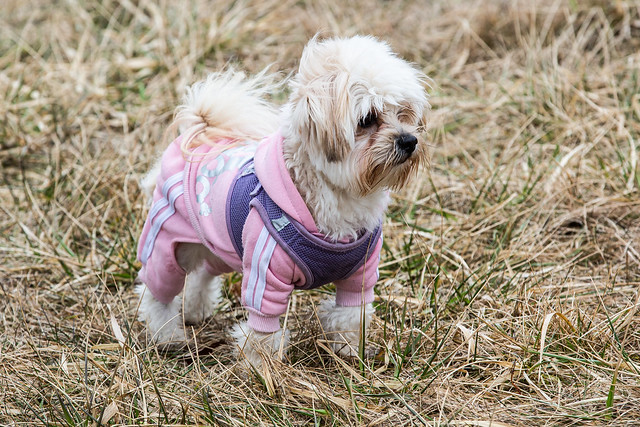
(359, 110)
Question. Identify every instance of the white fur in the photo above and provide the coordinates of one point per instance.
(338, 82)
(148, 182)
(231, 104)
(163, 320)
(342, 167)
(343, 325)
(202, 294)
(253, 346)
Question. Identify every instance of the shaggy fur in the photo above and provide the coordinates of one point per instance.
(351, 133)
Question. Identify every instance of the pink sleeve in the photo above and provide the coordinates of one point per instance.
(269, 276)
(358, 288)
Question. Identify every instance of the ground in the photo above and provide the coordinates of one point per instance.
(510, 276)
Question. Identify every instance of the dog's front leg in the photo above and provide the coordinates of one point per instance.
(254, 345)
(343, 326)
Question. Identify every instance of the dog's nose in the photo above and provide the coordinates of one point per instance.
(406, 143)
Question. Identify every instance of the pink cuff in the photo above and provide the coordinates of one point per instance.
(261, 323)
(353, 299)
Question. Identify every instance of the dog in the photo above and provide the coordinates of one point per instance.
(291, 198)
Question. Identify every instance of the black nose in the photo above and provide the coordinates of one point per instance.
(406, 143)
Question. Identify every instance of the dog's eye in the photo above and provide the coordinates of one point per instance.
(368, 120)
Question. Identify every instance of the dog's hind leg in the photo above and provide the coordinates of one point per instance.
(163, 320)
(203, 290)
(202, 294)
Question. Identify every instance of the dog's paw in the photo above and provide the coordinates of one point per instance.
(348, 350)
(169, 338)
(252, 346)
(343, 326)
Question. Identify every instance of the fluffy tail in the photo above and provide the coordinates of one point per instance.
(226, 105)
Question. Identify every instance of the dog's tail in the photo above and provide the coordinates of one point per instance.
(226, 106)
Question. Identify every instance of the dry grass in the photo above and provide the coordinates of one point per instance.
(509, 288)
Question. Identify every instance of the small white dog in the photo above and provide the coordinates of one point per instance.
(293, 200)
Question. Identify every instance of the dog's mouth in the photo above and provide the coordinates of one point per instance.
(401, 157)
(393, 168)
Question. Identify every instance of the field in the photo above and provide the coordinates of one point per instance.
(509, 289)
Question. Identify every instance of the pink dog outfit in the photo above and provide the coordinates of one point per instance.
(255, 222)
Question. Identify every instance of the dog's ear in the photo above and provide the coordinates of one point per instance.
(323, 112)
(321, 102)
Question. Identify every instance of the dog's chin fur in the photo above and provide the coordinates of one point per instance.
(342, 164)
